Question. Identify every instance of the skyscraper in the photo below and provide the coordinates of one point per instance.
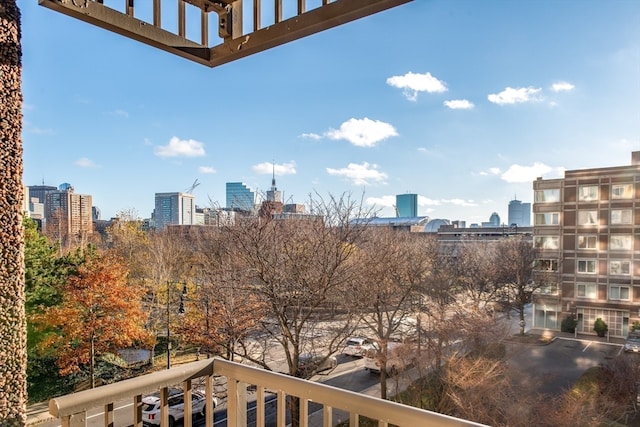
(519, 213)
(241, 197)
(174, 209)
(407, 205)
(70, 213)
(273, 195)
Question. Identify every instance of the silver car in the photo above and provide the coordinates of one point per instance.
(151, 407)
(632, 343)
(310, 364)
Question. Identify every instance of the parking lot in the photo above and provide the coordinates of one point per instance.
(554, 367)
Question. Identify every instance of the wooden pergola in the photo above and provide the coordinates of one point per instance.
(235, 38)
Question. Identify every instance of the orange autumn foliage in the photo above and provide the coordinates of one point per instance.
(100, 311)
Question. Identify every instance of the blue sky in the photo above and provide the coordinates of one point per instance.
(463, 102)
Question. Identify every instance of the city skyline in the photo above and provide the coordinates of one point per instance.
(462, 103)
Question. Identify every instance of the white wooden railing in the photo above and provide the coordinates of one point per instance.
(72, 409)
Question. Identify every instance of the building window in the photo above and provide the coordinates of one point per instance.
(620, 242)
(622, 191)
(550, 218)
(587, 217)
(551, 195)
(587, 242)
(586, 290)
(548, 289)
(587, 266)
(619, 292)
(547, 242)
(619, 268)
(587, 193)
(546, 265)
(621, 216)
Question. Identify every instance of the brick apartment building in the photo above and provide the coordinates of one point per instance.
(586, 227)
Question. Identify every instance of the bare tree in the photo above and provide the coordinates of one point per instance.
(516, 258)
(166, 271)
(478, 269)
(299, 269)
(393, 265)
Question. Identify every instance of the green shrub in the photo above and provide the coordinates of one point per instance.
(569, 324)
(600, 327)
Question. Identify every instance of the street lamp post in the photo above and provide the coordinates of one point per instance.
(180, 311)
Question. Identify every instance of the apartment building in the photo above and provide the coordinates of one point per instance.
(68, 213)
(586, 228)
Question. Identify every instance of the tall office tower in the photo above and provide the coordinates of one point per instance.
(40, 192)
(68, 213)
(519, 213)
(273, 195)
(96, 213)
(586, 229)
(407, 205)
(241, 197)
(174, 209)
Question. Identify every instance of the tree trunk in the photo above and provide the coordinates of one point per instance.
(93, 362)
(13, 329)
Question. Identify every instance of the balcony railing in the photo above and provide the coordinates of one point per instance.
(72, 409)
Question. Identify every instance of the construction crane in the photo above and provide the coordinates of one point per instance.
(193, 186)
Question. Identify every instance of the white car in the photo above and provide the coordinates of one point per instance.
(151, 407)
(358, 346)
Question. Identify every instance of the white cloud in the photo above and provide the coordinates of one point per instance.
(314, 136)
(84, 162)
(515, 95)
(491, 171)
(460, 202)
(363, 132)
(425, 201)
(360, 174)
(385, 201)
(518, 173)
(181, 148)
(459, 104)
(562, 87)
(412, 84)
(269, 168)
(206, 169)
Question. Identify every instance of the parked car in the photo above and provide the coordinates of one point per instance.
(400, 356)
(151, 406)
(632, 343)
(358, 346)
(312, 363)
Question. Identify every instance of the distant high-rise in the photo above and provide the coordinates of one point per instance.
(407, 205)
(40, 192)
(174, 209)
(68, 212)
(273, 195)
(519, 213)
(494, 221)
(241, 197)
(97, 215)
